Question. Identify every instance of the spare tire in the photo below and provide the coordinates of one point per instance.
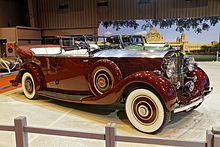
(103, 76)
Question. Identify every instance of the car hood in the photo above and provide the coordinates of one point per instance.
(131, 53)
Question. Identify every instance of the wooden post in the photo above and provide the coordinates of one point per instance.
(107, 135)
(21, 136)
(216, 138)
(217, 56)
(110, 135)
(209, 138)
(31, 13)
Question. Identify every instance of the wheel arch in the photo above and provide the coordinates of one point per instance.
(135, 85)
(159, 85)
(35, 71)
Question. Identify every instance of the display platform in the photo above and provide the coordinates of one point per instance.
(5, 77)
(51, 113)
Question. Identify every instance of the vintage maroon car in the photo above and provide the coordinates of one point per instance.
(151, 84)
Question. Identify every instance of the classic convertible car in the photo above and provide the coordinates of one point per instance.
(151, 84)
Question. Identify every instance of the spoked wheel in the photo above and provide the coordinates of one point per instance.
(28, 86)
(145, 111)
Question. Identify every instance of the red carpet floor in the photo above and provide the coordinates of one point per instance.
(5, 85)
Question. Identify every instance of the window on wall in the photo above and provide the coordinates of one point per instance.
(63, 6)
(102, 3)
(67, 6)
(144, 1)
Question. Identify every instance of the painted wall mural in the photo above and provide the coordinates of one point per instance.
(197, 36)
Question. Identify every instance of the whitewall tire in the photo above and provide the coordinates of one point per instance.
(28, 86)
(145, 111)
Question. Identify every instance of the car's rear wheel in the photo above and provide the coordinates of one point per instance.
(145, 111)
(28, 86)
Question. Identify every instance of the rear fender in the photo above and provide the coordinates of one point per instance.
(35, 71)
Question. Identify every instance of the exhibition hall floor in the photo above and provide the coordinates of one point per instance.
(51, 113)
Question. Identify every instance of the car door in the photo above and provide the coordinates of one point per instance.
(72, 73)
(48, 67)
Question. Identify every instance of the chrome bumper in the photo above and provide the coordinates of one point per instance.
(193, 103)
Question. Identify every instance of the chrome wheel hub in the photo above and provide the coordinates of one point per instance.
(29, 85)
(143, 111)
(102, 82)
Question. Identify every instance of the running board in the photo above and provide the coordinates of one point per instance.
(57, 95)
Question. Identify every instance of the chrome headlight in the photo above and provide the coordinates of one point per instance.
(191, 60)
(191, 63)
(170, 68)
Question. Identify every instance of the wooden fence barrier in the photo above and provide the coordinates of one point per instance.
(21, 134)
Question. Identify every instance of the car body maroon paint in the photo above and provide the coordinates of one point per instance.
(62, 69)
(202, 83)
(162, 85)
(150, 83)
(35, 70)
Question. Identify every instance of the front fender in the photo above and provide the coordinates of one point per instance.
(160, 84)
(200, 85)
(34, 70)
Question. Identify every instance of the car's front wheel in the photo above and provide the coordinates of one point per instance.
(145, 111)
(28, 86)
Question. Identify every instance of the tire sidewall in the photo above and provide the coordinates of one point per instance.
(29, 95)
(160, 117)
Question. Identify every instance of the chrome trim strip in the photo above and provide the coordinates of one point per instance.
(60, 55)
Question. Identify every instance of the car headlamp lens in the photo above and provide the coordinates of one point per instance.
(191, 62)
(190, 67)
(170, 68)
(170, 73)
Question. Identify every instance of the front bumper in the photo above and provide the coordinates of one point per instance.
(193, 103)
